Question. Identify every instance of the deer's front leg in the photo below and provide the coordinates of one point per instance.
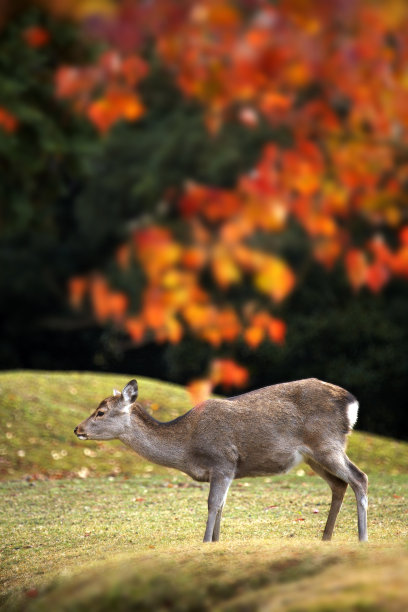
(219, 486)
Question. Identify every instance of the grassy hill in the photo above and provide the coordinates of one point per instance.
(129, 537)
(40, 410)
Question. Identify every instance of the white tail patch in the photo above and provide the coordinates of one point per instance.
(352, 412)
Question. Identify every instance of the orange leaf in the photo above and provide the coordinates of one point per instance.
(381, 251)
(273, 101)
(327, 251)
(132, 108)
(253, 336)
(116, 105)
(199, 390)
(229, 324)
(117, 303)
(157, 251)
(133, 69)
(154, 314)
(135, 328)
(174, 330)
(106, 304)
(356, 267)
(99, 293)
(198, 315)
(123, 256)
(212, 335)
(194, 257)
(102, 115)
(77, 287)
(377, 276)
(224, 269)
(228, 373)
(222, 14)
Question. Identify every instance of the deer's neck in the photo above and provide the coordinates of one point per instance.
(162, 443)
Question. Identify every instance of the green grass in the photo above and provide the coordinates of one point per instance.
(130, 537)
(40, 410)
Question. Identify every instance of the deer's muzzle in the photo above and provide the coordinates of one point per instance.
(80, 434)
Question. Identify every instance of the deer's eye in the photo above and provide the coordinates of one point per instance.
(100, 413)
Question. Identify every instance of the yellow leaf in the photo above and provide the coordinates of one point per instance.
(275, 278)
(224, 269)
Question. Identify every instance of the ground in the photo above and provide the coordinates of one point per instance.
(88, 526)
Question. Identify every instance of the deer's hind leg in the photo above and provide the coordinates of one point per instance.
(339, 465)
(338, 488)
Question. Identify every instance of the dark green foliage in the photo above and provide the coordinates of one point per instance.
(43, 165)
(141, 167)
(68, 199)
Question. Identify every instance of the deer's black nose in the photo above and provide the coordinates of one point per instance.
(75, 430)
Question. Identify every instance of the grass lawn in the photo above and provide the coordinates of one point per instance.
(91, 526)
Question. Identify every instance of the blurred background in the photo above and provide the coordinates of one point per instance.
(213, 193)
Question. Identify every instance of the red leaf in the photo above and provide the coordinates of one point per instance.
(36, 36)
(277, 330)
(403, 235)
(8, 122)
(377, 276)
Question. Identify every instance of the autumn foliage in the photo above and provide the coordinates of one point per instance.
(335, 73)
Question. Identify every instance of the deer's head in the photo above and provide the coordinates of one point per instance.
(112, 416)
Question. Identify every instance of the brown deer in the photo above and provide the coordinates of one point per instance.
(267, 431)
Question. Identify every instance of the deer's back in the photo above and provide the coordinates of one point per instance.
(265, 431)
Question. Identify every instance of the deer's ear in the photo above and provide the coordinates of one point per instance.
(116, 393)
(130, 392)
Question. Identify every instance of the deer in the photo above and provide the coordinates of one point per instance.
(263, 432)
